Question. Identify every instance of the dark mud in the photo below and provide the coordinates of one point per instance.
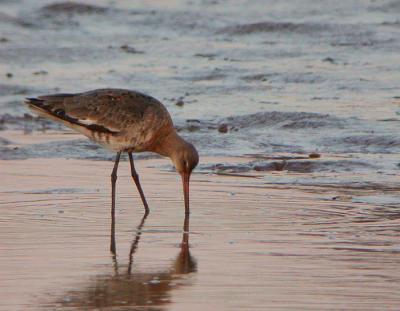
(256, 77)
(288, 120)
(270, 119)
(275, 27)
(371, 143)
(296, 166)
(70, 7)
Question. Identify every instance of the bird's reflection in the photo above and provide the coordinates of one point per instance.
(125, 288)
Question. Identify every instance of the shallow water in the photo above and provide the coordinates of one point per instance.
(252, 246)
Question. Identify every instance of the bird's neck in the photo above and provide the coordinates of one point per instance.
(169, 145)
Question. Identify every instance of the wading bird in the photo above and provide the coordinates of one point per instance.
(122, 121)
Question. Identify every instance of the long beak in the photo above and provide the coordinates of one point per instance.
(185, 183)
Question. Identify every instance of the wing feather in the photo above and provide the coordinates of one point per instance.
(106, 110)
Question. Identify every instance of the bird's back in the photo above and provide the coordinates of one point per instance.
(116, 118)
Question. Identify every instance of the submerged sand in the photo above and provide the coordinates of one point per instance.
(253, 246)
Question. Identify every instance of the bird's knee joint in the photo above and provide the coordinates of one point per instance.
(113, 177)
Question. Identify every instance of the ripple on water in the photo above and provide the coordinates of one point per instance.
(70, 7)
(302, 166)
(270, 26)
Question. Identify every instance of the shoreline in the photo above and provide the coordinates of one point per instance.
(318, 173)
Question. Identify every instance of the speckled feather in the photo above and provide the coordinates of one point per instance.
(121, 120)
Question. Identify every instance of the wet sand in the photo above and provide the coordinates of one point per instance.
(253, 246)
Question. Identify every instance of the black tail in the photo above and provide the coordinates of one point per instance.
(33, 101)
(53, 107)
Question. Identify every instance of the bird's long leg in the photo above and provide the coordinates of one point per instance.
(135, 177)
(113, 181)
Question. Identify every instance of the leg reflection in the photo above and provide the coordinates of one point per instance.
(135, 242)
(134, 287)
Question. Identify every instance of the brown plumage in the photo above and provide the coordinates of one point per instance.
(122, 121)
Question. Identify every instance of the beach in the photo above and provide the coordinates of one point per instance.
(294, 108)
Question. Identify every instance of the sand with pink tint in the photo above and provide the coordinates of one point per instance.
(268, 81)
(253, 246)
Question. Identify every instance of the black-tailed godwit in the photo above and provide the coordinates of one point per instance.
(122, 121)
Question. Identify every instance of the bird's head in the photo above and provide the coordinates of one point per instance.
(185, 159)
